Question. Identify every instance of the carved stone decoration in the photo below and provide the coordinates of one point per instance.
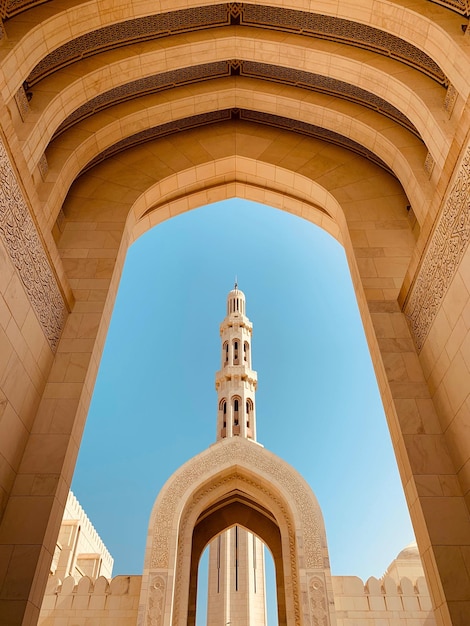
(311, 537)
(445, 250)
(22, 103)
(450, 99)
(156, 602)
(212, 117)
(304, 23)
(22, 241)
(157, 83)
(429, 164)
(318, 602)
(43, 167)
(232, 452)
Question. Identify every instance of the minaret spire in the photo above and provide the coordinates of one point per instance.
(236, 382)
(236, 587)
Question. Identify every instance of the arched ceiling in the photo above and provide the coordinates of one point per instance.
(85, 81)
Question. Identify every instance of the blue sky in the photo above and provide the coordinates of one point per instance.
(317, 403)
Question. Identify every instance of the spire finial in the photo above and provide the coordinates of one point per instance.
(236, 283)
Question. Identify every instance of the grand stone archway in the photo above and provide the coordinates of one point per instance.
(116, 118)
(236, 481)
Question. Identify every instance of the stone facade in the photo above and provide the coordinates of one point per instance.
(79, 551)
(388, 601)
(354, 116)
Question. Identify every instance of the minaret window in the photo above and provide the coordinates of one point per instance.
(246, 352)
(226, 353)
(249, 410)
(235, 352)
(223, 409)
(236, 415)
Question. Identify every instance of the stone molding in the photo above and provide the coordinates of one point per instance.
(224, 467)
(305, 23)
(156, 83)
(225, 115)
(23, 244)
(441, 259)
(217, 458)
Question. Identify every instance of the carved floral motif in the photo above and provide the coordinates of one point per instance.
(446, 248)
(24, 247)
(318, 602)
(218, 457)
(156, 602)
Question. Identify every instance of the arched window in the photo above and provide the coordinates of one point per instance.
(249, 410)
(225, 348)
(236, 344)
(246, 352)
(236, 402)
(223, 410)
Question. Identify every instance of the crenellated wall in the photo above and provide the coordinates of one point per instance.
(382, 602)
(102, 602)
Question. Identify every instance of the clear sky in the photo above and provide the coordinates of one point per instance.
(317, 403)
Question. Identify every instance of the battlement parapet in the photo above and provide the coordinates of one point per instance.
(116, 600)
(382, 599)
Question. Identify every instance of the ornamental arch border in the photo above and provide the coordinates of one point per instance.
(242, 466)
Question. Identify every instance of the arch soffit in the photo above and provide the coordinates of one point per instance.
(425, 116)
(210, 475)
(189, 189)
(33, 43)
(405, 160)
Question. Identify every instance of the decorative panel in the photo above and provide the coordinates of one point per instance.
(198, 73)
(300, 22)
(9, 8)
(25, 249)
(204, 119)
(444, 252)
(345, 31)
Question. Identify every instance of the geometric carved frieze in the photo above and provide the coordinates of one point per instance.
(343, 31)
(318, 602)
(22, 102)
(22, 242)
(450, 99)
(304, 23)
(212, 117)
(429, 164)
(216, 459)
(14, 7)
(156, 601)
(442, 257)
(197, 73)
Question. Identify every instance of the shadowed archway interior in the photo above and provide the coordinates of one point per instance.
(237, 509)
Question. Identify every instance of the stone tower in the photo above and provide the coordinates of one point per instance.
(236, 590)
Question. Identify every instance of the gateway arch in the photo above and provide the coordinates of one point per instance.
(118, 116)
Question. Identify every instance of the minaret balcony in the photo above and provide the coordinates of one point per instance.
(236, 372)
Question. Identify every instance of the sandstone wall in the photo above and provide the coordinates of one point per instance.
(382, 602)
(102, 603)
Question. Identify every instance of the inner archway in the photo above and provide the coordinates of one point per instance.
(331, 424)
(237, 511)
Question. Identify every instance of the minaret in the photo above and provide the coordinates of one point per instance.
(236, 382)
(236, 590)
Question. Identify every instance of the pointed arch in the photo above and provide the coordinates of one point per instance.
(236, 481)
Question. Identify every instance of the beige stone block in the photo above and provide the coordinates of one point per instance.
(457, 382)
(16, 299)
(458, 436)
(428, 454)
(456, 299)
